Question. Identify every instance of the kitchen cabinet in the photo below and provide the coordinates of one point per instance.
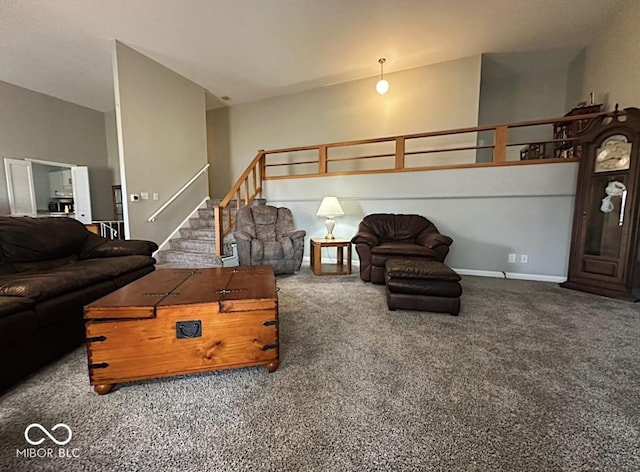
(82, 194)
(20, 188)
(61, 183)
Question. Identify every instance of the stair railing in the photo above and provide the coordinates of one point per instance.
(113, 229)
(246, 189)
(178, 193)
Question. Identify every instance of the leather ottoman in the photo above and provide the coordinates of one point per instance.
(422, 285)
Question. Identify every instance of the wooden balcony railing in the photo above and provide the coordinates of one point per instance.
(553, 140)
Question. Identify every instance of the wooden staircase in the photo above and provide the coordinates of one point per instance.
(195, 246)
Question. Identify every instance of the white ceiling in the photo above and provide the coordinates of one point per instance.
(252, 49)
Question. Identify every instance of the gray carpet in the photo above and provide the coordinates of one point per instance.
(529, 377)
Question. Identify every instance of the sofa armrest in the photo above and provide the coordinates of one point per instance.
(118, 247)
(431, 240)
(365, 237)
(295, 234)
(241, 235)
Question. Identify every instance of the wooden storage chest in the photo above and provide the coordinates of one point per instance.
(174, 322)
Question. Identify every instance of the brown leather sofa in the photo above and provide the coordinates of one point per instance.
(49, 269)
(383, 236)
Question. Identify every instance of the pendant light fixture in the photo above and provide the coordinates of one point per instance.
(382, 86)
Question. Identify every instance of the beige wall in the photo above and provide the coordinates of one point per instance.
(218, 153)
(113, 159)
(162, 141)
(612, 62)
(440, 96)
(41, 127)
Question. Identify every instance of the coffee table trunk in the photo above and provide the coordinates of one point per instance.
(174, 322)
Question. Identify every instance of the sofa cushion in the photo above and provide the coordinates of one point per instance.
(97, 246)
(273, 250)
(16, 326)
(380, 254)
(10, 305)
(436, 288)
(54, 282)
(5, 267)
(26, 240)
(402, 249)
(392, 227)
(70, 306)
(38, 266)
(416, 269)
(17, 318)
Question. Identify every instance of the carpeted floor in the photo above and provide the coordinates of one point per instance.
(529, 377)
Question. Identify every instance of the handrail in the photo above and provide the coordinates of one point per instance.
(177, 194)
(398, 156)
(255, 170)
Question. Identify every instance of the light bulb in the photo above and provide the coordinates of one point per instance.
(382, 86)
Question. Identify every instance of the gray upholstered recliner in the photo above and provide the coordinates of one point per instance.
(265, 236)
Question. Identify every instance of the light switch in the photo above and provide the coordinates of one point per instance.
(144, 195)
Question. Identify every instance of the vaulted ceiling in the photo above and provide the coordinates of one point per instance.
(253, 49)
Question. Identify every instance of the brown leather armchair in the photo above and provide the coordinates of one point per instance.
(383, 236)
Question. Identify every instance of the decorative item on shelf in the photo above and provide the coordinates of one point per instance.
(565, 133)
(330, 207)
(533, 151)
(382, 86)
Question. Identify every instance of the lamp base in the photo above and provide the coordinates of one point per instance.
(330, 224)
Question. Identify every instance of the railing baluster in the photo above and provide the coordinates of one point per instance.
(322, 160)
(254, 174)
(500, 144)
(217, 216)
(399, 152)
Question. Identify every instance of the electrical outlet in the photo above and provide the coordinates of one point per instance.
(524, 258)
(512, 258)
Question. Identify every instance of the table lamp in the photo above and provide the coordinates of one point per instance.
(330, 207)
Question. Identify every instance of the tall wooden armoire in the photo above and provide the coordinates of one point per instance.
(604, 257)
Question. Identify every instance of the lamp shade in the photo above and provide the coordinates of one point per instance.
(330, 206)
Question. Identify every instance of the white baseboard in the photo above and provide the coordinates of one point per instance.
(479, 273)
(511, 275)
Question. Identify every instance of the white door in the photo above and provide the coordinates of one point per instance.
(81, 195)
(22, 196)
